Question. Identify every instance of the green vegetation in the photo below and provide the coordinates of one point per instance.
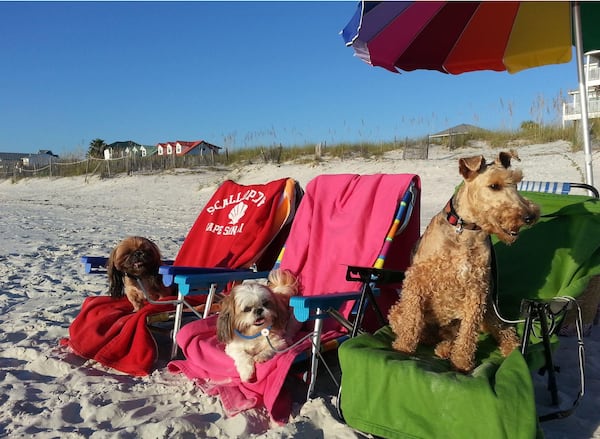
(529, 132)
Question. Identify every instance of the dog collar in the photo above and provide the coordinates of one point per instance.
(251, 337)
(456, 220)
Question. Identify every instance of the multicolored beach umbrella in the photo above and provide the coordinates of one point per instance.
(457, 37)
(461, 36)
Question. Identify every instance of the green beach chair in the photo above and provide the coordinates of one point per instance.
(393, 395)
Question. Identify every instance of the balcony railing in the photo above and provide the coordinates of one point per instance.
(574, 109)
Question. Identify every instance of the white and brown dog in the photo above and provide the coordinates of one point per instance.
(136, 258)
(253, 322)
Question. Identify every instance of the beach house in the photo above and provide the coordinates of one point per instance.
(572, 108)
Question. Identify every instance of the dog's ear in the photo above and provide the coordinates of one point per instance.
(283, 281)
(155, 251)
(282, 310)
(469, 167)
(225, 319)
(115, 277)
(504, 158)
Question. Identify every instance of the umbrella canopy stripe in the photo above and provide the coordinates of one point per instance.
(538, 40)
(392, 41)
(478, 49)
(430, 47)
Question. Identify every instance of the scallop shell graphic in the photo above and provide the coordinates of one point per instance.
(237, 212)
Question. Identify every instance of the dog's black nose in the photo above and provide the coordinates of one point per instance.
(529, 218)
(259, 311)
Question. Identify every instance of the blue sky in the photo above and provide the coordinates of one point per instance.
(237, 74)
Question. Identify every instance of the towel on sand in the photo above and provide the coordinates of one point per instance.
(108, 331)
(215, 373)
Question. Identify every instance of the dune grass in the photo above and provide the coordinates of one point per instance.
(528, 133)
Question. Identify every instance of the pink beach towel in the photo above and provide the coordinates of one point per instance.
(214, 372)
(342, 220)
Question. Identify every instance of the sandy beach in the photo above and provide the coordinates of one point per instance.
(48, 224)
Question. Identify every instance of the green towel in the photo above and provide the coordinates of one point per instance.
(392, 395)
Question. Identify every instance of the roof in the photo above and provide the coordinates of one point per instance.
(42, 156)
(150, 149)
(463, 128)
(189, 145)
(12, 156)
(124, 144)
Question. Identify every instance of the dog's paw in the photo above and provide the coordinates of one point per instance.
(279, 343)
(264, 356)
(509, 341)
(246, 370)
(443, 349)
(137, 304)
(462, 363)
(136, 298)
(401, 346)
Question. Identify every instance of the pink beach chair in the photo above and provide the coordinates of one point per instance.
(344, 223)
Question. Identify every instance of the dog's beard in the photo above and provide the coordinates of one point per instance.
(252, 322)
(141, 263)
(246, 312)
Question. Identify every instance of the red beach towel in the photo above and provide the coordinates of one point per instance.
(108, 331)
(235, 227)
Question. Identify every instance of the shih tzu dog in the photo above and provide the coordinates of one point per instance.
(253, 322)
(136, 258)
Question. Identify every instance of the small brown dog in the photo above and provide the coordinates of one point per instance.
(136, 258)
(445, 297)
(253, 322)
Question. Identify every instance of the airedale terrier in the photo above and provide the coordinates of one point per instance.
(445, 299)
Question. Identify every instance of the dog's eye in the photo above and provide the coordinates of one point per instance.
(266, 304)
(247, 309)
(495, 187)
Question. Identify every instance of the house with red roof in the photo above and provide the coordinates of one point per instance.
(184, 147)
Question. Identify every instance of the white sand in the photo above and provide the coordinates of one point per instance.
(47, 224)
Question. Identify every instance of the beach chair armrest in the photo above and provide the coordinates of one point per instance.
(378, 276)
(169, 272)
(305, 307)
(94, 264)
(194, 284)
(98, 264)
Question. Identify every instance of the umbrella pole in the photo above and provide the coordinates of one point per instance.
(583, 93)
